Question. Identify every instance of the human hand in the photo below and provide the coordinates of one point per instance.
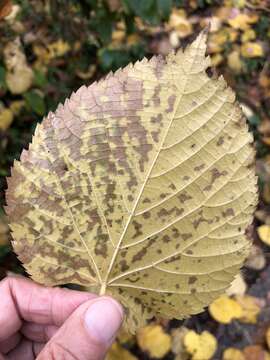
(54, 324)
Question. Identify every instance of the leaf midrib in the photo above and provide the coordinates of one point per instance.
(104, 285)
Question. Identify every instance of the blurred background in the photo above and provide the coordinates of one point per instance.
(48, 48)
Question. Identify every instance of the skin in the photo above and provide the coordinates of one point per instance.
(41, 323)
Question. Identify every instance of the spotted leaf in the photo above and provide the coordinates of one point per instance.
(140, 186)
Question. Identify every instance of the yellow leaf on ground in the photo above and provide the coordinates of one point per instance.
(224, 309)
(19, 75)
(154, 340)
(200, 346)
(216, 59)
(58, 48)
(118, 352)
(6, 118)
(250, 308)
(264, 233)
(242, 21)
(267, 337)
(255, 352)
(234, 61)
(248, 35)
(251, 50)
(180, 23)
(16, 106)
(233, 354)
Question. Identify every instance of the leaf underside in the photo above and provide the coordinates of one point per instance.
(140, 186)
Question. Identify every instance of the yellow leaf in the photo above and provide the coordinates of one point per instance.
(224, 309)
(6, 118)
(200, 346)
(117, 352)
(118, 36)
(248, 35)
(242, 21)
(154, 341)
(233, 354)
(179, 23)
(250, 308)
(251, 50)
(19, 76)
(264, 233)
(216, 59)
(234, 61)
(58, 48)
(141, 187)
(133, 39)
(16, 106)
(267, 337)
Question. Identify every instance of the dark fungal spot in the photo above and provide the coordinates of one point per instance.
(220, 141)
(123, 265)
(171, 102)
(189, 252)
(199, 167)
(146, 215)
(192, 279)
(166, 239)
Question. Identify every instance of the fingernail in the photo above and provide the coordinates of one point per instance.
(103, 318)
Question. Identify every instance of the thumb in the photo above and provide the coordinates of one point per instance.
(88, 333)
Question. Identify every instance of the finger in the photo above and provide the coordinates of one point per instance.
(38, 332)
(23, 352)
(37, 348)
(9, 344)
(87, 334)
(23, 299)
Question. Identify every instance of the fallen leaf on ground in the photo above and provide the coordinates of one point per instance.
(233, 354)
(250, 308)
(255, 352)
(154, 341)
(6, 118)
(200, 346)
(234, 61)
(225, 309)
(264, 233)
(19, 76)
(117, 352)
(267, 337)
(251, 50)
(256, 259)
(242, 21)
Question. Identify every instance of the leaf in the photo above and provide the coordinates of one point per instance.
(140, 186)
(118, 352)
(200, 346)
(233, 354)
(5, 8)
(154, 341)
(264, 233)
(250, 309)
(19, 76)
(6, 118)
(224, 310)
(238, 286)
(251, 50)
